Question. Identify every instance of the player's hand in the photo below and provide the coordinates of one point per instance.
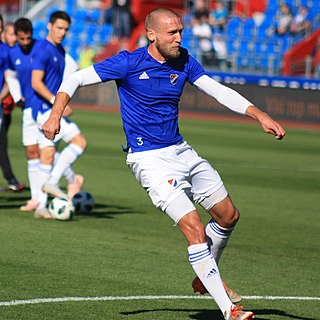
(268, 124)
(67, 111)
(272, 127)
(51, 128)
(20, 103)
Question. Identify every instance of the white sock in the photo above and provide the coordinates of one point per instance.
(67, 157)
(218, 238)
(68, 173)
(207, 271)
(33, 173)
(43, 176)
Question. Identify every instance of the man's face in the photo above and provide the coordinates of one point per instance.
(9, 35)
(168, 37)
(24, 40)
(58, 31)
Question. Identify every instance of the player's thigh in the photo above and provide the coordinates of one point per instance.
(205, 180)
(160, 175)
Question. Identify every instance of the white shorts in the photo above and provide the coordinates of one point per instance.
(68, 130)
(169, 172)
(30, 130)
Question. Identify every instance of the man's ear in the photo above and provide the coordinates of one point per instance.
(151, 35)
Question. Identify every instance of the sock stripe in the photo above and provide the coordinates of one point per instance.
(33, 166)
(220, 231)
(199, 256)
(45, 170)
(75, 150)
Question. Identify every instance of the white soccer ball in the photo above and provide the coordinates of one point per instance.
(61, 209)
(83, 202)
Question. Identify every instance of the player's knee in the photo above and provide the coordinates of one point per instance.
(47, 155)
(79, 140)
(32, 152)
(231, 218)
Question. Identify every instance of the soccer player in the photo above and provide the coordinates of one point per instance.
(18, 76)
(48, 65)
(7, 103)
(150, 81)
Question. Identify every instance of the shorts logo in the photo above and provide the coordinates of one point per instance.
(173, 78)
(173, 182)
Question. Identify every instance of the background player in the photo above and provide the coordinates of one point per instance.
(9, 40)
(48, 65)
(18, 75)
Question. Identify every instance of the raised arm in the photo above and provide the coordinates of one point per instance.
(237, 103)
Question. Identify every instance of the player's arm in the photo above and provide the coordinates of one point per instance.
(13, 85)
(39, 87)
(237, 103)
(81, 78)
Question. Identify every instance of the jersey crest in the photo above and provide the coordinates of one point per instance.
(173, 78)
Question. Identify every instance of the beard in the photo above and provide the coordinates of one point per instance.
(166, 52)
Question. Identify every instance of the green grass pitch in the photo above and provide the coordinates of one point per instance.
(127, 248)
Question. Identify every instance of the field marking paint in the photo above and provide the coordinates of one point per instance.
(170, 297)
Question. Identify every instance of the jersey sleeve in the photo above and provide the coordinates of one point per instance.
(195, 70)
(114, 68)
(10, 64)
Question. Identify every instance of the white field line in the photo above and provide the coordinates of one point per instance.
(170, 297)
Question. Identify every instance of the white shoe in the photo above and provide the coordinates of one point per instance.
(75, 186)
(42, 213)
(54, 190)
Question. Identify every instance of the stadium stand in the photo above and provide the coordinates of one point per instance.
(252, 46)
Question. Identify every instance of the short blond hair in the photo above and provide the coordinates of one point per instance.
(152, 19)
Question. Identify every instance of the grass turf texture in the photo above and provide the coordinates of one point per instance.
(129, 248)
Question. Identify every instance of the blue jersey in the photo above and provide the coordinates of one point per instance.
(20, 62)
(50, 59)
(149, 93)
(4, 48)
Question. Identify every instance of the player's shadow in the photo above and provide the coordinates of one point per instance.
(13, 202)
(103, 211)
(196, 314)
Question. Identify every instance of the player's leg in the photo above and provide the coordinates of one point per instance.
(75, 181)
(67, 157)
(77, 143)
(45, 167)
(13, 183)
(200, 256)
(155, 171)
(208, 190)
(219, 229)
(30, 133)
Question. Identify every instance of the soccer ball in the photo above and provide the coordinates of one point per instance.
(61, 209)
(83, 202)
